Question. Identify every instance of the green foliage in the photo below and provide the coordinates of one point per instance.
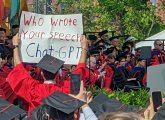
(140, 98)
(135, 17)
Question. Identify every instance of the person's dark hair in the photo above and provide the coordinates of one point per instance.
(72, 66)
(2, 29)
(140, 59)
(3, 56)
(48, 75)
(41, 113)
(119, 58)
(129, 43)
(45, 111)
(110, 56)
(9, 57)
(155, 42)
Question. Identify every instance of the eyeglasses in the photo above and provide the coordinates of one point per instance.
(96, 55)
(160, 44)
(105, 35)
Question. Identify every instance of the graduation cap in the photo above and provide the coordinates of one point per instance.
(145, 52)
(2, 29)
(61, 105)
(109, 50)
(125, 47)
(92, 37)
(9, 111)
(103, 32)
(101, 104)
(100, 41)
(92, 52)
(114, 37)
(50, 64)
(15, 26)
(129, 43)
(9, 37)
(120, 57)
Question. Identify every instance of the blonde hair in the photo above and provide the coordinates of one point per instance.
(120, 116)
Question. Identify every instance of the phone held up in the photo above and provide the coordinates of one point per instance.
(157, 99)
(75, 83)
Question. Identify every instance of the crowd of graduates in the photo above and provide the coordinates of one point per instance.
(115, 68)
(103, 63)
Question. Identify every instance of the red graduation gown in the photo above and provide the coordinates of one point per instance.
(32, 90)
(157, 57)
(6, 91)
(7, 69)
(108, 77)
(90, 77)
(81, 69)
(59, 78)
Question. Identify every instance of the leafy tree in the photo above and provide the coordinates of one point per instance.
(135, 17)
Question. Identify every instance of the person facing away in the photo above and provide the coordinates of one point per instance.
(32, 90)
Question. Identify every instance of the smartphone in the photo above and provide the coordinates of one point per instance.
(157, 99)
(75, 83)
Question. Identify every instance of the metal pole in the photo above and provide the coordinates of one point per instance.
(163, 44)
(37, 6)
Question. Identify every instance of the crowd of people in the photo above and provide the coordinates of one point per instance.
(104, 63)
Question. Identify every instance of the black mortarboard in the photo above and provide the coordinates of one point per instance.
(103, 32)
(120, 57)
(125, 47)
(15, 26)
(100, 41)
(92, 37)
(62, 106)
(145, 52)
(109, 50)
(2, 29)
(114, 37)
(94, 51)
(101, 104)
(126, 53)
(50, 64)
(100, 46)
(129, 43)
(9, 111)
(9, 37)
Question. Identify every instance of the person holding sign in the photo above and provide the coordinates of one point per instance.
(31, 90)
